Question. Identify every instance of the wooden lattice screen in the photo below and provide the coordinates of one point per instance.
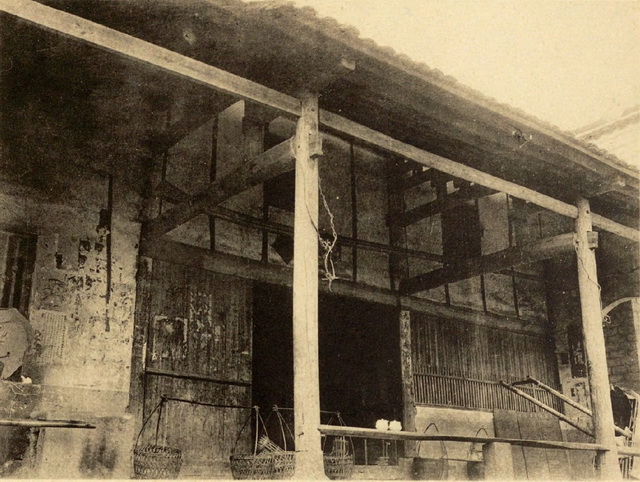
(460, 364)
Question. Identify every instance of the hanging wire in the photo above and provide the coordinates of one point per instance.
(328, 246)
(605, 319)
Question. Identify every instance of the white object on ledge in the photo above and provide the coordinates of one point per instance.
(395, 425)
(382, 424)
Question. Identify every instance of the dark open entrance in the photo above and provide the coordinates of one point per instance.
(359, 356)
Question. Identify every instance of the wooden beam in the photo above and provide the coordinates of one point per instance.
(406, 376)
(398, 264)
(183, 254)
(468, 268)
(306, 371)
(594, 344)
(372, 433)
(349, 128)
(269, 164)
(170, 192)
(198, 115)
(418, 178)
(547, 408)
(148, 53)
(440, 205)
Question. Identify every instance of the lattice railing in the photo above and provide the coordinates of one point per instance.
(450, 391)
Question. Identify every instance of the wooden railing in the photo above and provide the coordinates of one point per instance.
(450, 391)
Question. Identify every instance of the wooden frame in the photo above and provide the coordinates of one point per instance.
(169, 61)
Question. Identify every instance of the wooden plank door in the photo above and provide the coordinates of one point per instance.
(198, 348)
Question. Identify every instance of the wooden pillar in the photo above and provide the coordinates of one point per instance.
(398, 271)
(306, 382)
(408, 391)
(498, 461)
(606, 461)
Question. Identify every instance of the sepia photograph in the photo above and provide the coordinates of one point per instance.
(319, 239)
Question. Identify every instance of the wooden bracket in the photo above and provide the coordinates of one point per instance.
(271, 163)
(440, 205)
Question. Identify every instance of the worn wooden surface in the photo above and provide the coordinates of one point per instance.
(482, 353)
(594, 344)
(373, 433)
(540, 463)
(306, 377)
(198, 348)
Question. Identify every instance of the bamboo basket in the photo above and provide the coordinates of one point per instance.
(155, 461)
(252, 466)
(339, 463)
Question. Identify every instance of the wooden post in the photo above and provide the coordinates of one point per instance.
(306, 382)
(408, 390)
(606, 461)
(498, 461)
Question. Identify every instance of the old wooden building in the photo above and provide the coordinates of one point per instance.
(223, 205)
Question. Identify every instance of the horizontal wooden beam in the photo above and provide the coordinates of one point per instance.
(360, 432)
(148, 53)
(352, 129)
(269, 164)
(468, 268)
(418, 178)
(440, 205)
(241, 267)
(195, 376)
(169, 61)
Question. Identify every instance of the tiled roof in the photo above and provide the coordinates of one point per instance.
(349, 35)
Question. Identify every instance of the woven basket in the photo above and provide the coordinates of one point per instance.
(338, 467)
(156, 462)
(284, 464)
(252, 467)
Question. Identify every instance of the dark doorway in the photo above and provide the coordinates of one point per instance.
(359, 356)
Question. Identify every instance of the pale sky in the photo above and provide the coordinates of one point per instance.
(567, 62)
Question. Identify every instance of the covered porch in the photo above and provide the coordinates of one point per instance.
(259, 163)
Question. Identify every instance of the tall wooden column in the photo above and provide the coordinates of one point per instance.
(306, 380)
(606, 462)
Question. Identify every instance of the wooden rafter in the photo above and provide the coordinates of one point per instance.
(269, 164)
(468, 268)
(218, 79)
(440, 205)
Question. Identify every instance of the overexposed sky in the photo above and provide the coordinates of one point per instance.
(567, 62)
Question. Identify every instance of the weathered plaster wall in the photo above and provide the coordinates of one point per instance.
(82, 315)
(618, 263)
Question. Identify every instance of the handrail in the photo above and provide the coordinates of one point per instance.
(360, 432)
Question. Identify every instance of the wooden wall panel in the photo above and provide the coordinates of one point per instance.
(452, 348)
(199, 349)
